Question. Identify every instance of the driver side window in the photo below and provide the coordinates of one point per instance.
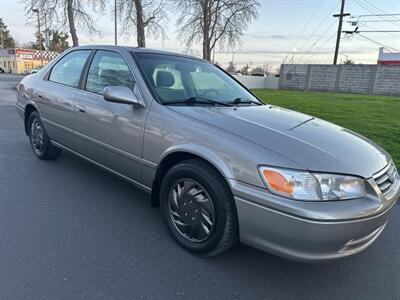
(168, 82)
(108, 68)
(68, 70)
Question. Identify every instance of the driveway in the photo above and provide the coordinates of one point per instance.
(69, 230)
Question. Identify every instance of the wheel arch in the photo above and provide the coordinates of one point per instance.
(173, 157)
(29, 108)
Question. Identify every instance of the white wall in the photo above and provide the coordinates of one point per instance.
(254, 82)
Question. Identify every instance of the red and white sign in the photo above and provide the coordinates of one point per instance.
(388, 58)
(24, 53)
(25, 56)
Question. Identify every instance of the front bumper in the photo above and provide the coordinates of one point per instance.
(309, 235)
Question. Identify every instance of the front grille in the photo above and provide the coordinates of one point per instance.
(387, 180)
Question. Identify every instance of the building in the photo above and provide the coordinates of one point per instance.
(22, 61)
(388, 58)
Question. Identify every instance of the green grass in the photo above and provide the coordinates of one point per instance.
(376, 117)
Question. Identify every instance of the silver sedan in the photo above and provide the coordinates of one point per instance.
(222, 166)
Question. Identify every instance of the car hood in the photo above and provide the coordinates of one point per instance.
(314, 144)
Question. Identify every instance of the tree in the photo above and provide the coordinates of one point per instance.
(213, 22)
(36, 44)
(231, 68)
(348, 61)
(147, 16)
(39, 44)
(246, 70)
(29, 45)
(58, 41)
(6, 40)
(59, 13)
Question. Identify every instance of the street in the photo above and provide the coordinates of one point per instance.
(69, 230)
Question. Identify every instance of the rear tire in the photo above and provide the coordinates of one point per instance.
(198, 208)
(40, 141)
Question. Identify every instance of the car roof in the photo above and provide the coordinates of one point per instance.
(135, 50)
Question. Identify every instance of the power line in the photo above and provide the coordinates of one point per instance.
(366, 5)
(308, 51)
(321, 47)
(374, 28)
(377, 43)
(321, 24)
(380, 31)
(375, 11)
(379, 9)
(304, 29)
(375, 21)
(379, 15)
(327, 41)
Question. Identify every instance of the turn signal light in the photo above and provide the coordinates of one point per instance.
(278, 182)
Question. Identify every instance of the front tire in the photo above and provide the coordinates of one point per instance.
(198, 208)
(39, 140)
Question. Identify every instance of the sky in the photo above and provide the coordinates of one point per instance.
(299, 31)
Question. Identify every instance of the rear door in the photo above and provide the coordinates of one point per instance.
(110, 133)
(56, 96)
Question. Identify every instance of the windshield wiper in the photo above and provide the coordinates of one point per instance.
(198, 100)
(240, 100)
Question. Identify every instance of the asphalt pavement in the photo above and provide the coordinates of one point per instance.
(69, 230)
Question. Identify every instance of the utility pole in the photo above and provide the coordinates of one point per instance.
(115, 23)
(47, 34)
(339, 33)
(36, 10)
(2, 39)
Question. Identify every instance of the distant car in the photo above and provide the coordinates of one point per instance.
(222, 165)
(258, 74)
(1, 70)
(35, 70)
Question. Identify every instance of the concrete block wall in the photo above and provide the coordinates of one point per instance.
(355, 78)
(322, 78)
(363, 79)
(387, 80)
(295, 76)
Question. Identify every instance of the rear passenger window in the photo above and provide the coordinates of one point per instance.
(68, 69)
(108, 69)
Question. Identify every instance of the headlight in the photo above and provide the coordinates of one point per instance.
(303, 185)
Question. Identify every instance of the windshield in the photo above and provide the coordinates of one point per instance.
(175, 79)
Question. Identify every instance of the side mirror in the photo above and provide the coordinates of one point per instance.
(121, 94)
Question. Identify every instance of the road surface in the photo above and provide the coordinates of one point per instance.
(69, 230)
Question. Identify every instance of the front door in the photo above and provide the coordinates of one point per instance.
(111, 134)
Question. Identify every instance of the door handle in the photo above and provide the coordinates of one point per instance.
(80, 108)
